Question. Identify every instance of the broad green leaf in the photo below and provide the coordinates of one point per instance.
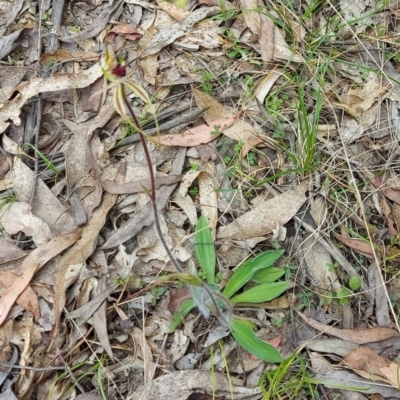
(354, 283)
(246, 337)
(261, 293)
(204, 249)
(184, 309)
(246, 271)
(267, 275)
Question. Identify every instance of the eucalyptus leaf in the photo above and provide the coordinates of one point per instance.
(246, 337)
(267, 275)
(261, 293)
(246, 271)
(184, 308)
(204, 249)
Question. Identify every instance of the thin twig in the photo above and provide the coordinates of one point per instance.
(36, 131)
(37, 369)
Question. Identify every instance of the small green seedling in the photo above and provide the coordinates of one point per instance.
(257, 270)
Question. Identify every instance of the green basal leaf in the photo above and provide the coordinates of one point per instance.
(246, 337)
(261, 293)
(184, 309)
(204, 249)
(246, 271)
(267, 275)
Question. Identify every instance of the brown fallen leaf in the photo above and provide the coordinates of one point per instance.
(317, 258)
(79, 253)
(18, 217)
(198, 135)
(208, 181)
(332, 377)
(266, 38)
(140, 186)
(28, 298)
(77, 155)
(7, 43)
(171, 33)
(45, 205)
(392, 215)
(124, 29)
(391, 194)
(58, 81)
(96, 27)
(145, 217)
(359, 336)
(174, 11)
(9, 251)
(250, 143)
(368, 364)
(62, 55)
(358, 245)
(265, 217)
(32, 263)
(240, 129)
(100, 317)
(177, 386)
(10, 77)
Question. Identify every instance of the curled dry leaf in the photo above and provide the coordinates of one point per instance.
(263, 218)
(32, 263)
(198, 135)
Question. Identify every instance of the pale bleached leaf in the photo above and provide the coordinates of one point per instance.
(265, 217)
